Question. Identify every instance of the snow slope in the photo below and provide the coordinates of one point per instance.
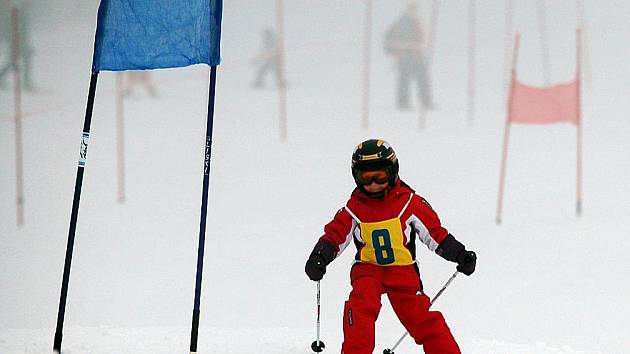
(547, 281)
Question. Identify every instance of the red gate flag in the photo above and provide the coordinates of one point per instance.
(543, 105)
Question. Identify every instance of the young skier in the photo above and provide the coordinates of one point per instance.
(382, 218)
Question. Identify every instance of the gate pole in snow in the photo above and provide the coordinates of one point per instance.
(367, 41)
(204, 211)
(509, 16)
(282, 89)
(17, 101)
(583, 41)
(435, 7)
(75, 212)
(471, 61)
(578, 79)
(506, 135)
(542, 23)
(120, 135)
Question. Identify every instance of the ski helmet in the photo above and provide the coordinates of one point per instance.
(373, 155)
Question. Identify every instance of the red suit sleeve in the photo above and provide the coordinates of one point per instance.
(426, 223)
(339, 231)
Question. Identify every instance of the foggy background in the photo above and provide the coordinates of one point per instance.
(547, 281)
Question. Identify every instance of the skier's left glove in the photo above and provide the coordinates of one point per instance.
(323, 253)
(454, 251)
(466, 262)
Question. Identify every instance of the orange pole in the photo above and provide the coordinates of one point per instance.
(471, 62)
(17, 91)
(120, 133)
(507, 132)
(435, 8)
(367, 48)
(578, 204)
(509, 16)
(282, 89)
(542, 23)
(579, 4)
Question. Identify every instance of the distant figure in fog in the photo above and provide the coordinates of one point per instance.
(25, 54)
(404, 41)
(268, 60)
(134, 78)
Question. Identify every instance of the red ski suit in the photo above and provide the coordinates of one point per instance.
(384, 232)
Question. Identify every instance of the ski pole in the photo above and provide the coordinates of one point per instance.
(391, 351)
(318, 345)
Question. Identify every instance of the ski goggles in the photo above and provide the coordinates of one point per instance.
(378, 176)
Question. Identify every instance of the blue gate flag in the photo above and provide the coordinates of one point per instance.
(153, 34)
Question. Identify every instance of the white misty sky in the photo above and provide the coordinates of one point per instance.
(560, 281)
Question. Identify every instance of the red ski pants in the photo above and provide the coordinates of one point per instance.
(401, 284)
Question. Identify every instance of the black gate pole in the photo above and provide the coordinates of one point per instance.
(204, 212)
(75, 213)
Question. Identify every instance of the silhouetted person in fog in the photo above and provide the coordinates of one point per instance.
(25, 48)
(268, 60)
(404, 41)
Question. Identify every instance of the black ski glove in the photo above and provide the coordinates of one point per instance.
(466, 262)
(323, 253)
(452, 250)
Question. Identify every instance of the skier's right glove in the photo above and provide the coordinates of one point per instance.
(454, 251)
(323, 253)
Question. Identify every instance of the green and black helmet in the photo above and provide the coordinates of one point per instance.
(374, 155)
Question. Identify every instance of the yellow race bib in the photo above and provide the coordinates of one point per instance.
(384, 243)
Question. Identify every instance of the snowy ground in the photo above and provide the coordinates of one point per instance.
(547, 281)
